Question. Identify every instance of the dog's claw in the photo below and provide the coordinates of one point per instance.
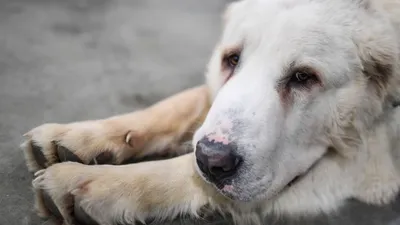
(40, 172)
(37, 182)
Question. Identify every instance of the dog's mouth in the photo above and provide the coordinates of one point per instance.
(293, 181)
(297, 178)
(224, 184)
(228, 188)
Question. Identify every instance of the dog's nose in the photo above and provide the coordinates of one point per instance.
(217, 160)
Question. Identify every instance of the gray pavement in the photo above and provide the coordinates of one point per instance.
(69, 60)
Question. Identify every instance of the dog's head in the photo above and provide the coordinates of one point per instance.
(295, 82)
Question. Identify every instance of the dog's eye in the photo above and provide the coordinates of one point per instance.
(233, 60)
(302, 78)
(230, 62)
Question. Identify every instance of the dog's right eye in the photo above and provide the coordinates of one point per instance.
(233, 60)
(230, 62)
(301, 76)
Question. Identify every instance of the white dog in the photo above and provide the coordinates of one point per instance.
(298, 115)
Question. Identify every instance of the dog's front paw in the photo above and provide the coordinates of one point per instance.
(73, 193)
(123, 194)
(91, 142)
(54, 188)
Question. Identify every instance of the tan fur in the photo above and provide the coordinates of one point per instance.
(157, 129)
(108, 187)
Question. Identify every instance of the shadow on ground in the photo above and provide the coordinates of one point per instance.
(69, 60)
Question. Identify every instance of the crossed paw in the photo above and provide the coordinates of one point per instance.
(90, 143)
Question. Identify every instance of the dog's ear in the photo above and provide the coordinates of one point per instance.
(378, 50)
(378, 65)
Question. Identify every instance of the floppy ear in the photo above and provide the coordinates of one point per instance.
(378, 50)
(379, 68)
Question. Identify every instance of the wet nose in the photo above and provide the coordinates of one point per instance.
(216, 160)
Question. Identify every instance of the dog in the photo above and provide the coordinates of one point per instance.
(298, 114)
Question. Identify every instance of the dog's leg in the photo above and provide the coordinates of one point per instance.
(121, 194)
(159, 129)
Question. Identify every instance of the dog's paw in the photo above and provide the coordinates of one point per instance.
(124, 194)
(73, 193)
(57, 192)
(85, 142)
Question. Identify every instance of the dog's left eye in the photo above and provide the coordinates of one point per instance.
(302, 78)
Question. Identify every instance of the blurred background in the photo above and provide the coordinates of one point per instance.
(71, 60)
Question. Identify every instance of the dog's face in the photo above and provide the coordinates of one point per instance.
(292, 79)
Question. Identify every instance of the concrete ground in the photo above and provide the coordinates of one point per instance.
(69, 60)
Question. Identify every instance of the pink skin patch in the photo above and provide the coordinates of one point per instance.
(228, 188)
(221, 134)
(218, 138)
(226, 78)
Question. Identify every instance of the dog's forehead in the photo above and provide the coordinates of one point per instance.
(272, 24)
(308, 34)
(270, 18)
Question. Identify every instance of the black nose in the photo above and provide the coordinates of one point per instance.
(217, 160)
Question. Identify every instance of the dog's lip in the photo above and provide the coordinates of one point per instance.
(229, 192)
(298, 178)
(223, 183)
(293, 181)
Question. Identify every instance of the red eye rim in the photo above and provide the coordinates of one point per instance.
(230, 61)
(300, 77)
